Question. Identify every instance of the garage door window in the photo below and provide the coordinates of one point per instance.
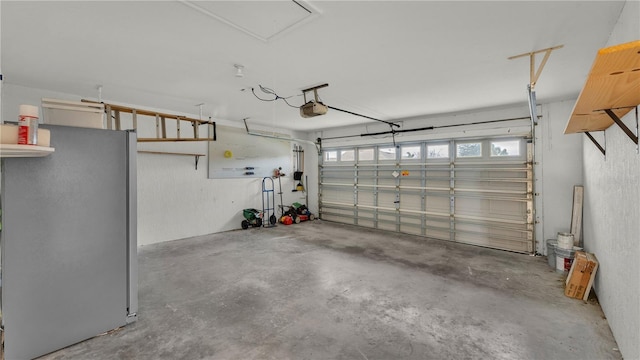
(438, 151)
(505, 148)
(348, 155)
(386, 153)
(365, 154)
(331, 156)
(411, 152)
(469, 150)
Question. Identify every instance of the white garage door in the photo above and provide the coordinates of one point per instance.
(471, 191)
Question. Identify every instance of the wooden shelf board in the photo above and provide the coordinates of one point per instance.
(13, 151)
(613, 83)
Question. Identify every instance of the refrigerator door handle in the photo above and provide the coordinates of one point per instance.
(132, 227)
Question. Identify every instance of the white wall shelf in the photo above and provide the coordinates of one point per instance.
(13, 150)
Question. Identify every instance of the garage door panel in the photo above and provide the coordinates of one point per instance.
(505, 244)
(414, 179)
(492, 186)
(489, 229)
(438, 234)
(338, 215)
(509, 234)
(366, 223)
(413, 227)
(366, 179)
(338, 177)
(437, 203)
(438, 228)
(387, 182)
(438, 179)
(340, 195)
(331, 217)
(366, 197)
(471, 206)
(411, 201)
(387, 216)
(383, 225)
(387, 199)
(508, 209)
(480, 199)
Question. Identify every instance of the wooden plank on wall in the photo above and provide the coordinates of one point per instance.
(576, 215)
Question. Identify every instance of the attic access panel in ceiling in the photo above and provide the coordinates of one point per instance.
(264, 20)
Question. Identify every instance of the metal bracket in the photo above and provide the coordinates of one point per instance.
(622, 126)
(197, 158)
(315, 92)
(596, 143)
(625, 129)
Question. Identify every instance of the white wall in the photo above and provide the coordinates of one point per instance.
(175, 201)
(612, 214)
(559, 157)
(611, 228)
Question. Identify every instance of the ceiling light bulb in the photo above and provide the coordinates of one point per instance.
(239, 69)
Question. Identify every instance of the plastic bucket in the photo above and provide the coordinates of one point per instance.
(565, 241)
(551, 252)
(564, 258)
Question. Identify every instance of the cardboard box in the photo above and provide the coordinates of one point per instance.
(581, 276)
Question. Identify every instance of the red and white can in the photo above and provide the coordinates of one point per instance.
(28, 125)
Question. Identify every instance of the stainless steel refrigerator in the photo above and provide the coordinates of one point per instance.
(69, 261)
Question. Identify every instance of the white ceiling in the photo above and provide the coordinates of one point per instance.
(385, 59)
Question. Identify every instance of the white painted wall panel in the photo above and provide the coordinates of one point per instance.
(612, 214)
(561, 159)
(611, 228)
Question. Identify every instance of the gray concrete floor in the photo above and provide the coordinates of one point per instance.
(320, 290)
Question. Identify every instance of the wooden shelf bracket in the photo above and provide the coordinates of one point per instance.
(533, 73)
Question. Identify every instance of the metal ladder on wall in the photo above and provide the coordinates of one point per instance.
(269, 218)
